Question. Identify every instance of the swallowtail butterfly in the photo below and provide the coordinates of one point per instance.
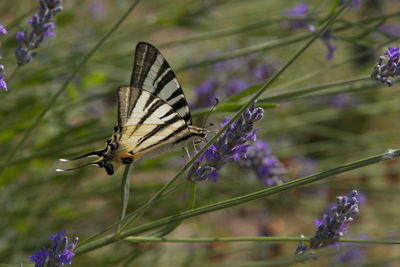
(153, 114)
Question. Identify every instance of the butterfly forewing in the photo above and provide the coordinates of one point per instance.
(152, 73)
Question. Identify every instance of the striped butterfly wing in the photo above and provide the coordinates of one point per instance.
(153, 111)
(152, 114)
(152, 73)
(152, 123)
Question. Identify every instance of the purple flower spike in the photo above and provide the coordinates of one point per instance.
(2, 30)
(232, 144)
(59, 254)
(333, 225)
(42, 26)
(39, 257)
(268, 169)
(300, 10)
(3, 84)
(391, 68)
(327, 39)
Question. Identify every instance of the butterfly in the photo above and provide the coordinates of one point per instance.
(153, 114)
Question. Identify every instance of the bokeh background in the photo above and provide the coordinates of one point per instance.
(350, 118)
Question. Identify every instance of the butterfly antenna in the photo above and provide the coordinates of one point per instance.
(211, 110)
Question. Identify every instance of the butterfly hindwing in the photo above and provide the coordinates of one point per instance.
(152, 122)
(152, 73)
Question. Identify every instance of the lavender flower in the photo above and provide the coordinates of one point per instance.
(205, 93)
(354, 3)
(2, 30)
(58, 255)
(327, 39)
(3, 84)
(391, 68)
(39, 257)
(334, 224)
(41, 27)
(235, 85)
(232, 144)
(231, 77)
(300, 10)
(267, 167)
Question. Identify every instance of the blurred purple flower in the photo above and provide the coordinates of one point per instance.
(3, 84)
(300, 10)
(391, 28)
(391, 68)
(59, 254)
(235, 85)
(206, 93)
(97, 9)
(232, 144)
(266, 166)
(354, 3)
(42, 26)
(327, 39)
(343, 100)
(2, 30)
(261, 71)
(333, 224)
(232, 64)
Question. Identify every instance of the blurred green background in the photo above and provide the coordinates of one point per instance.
(308, 133)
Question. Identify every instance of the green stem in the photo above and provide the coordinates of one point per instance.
(125, 190)
(13, 73)
(64, 86)
(140, 239)
(241, 200)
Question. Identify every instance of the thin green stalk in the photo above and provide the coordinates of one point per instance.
(237, 115)
(13, 73)
(240, 200)
(125, 190)
(140, 239)
(64, 86)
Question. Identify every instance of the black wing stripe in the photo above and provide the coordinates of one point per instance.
(158, 129)
(164, 81)
(174, 94)
(160, 72)
(179, 104)
(176, 132)
(158, 103)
